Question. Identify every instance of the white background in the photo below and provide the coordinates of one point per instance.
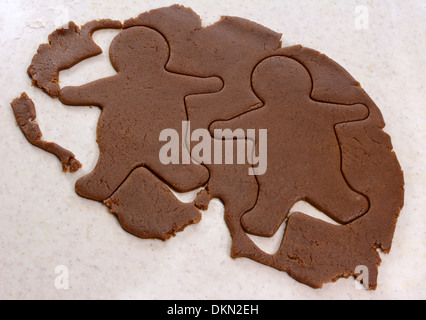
(44, 224)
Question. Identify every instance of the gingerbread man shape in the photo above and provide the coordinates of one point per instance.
(304, 156)
(137, 104)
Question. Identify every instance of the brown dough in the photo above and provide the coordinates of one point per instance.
(147, 209)
(203, 200)
(137, 104)
(25, 114)
(352, 173)
(66, 48)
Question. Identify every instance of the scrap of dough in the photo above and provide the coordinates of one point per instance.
(202, 200)
(25, 114)
(66, 48)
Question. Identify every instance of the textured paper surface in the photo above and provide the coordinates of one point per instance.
(45, 225)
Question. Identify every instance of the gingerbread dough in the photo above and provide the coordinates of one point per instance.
(326, 141)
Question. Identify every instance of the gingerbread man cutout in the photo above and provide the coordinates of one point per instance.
(137, 104)
(304, 156)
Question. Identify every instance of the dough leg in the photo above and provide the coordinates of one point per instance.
(338, 200)
(271, 209)
(182, 178)
(104, 180)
